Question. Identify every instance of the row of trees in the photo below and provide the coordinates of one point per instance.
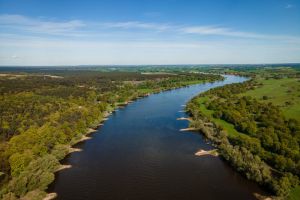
(41, 116)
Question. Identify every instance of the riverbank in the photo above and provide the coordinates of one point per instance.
(189, 129)
(118, 105)
(202, 152)
(184, 118)
(152, 143)
(107, 115)
(219, 140)
(242, 143)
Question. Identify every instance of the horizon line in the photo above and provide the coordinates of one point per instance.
(136, 65)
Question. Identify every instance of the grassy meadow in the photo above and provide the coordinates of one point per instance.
(282, 92)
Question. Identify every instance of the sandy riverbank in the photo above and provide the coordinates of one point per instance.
(71, 150)
(62, 167)
(50, 196)
(202, 152)
(262, 197)
(84, 138)
(184, 118)
(188, 129)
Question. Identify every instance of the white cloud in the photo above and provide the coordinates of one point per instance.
(13, 23)
(214, 30)
(15, 57)
(41, 41)
(137, 25)
(221, 31)
(41, 51)
(22, 23)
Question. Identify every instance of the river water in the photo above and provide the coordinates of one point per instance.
(139, 154)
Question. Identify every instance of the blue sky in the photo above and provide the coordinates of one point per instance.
(60, 32)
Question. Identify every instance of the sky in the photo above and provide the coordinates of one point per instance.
(141, 32)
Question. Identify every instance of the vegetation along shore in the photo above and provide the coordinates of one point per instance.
(43, 116)
(255, 125)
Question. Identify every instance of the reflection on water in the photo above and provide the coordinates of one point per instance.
(140, 153)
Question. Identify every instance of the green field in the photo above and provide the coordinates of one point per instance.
(282, 92)
(229, 128)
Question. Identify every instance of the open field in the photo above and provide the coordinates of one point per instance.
(282, 92)
(229, 128)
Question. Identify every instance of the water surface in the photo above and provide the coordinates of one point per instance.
(140, 154)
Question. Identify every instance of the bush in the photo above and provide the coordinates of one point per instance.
(37, 175)
(60, 151)
(19, 161)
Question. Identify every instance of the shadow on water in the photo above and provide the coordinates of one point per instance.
(139, 153)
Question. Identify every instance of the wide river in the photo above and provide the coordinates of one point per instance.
(139, 153)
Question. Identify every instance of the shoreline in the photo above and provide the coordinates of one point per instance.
(188, 129)
(201, 152)
(53, 195)
(262, 197)
(184, 118)
(50, 196)
(215, 152)
(62, 167)
(71, 149)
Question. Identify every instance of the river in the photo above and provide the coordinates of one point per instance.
(139, 154)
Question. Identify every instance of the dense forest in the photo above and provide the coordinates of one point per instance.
(43, 115)
(263, 143)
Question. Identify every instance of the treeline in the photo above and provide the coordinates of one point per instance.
(267, 148)
(42, 116)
